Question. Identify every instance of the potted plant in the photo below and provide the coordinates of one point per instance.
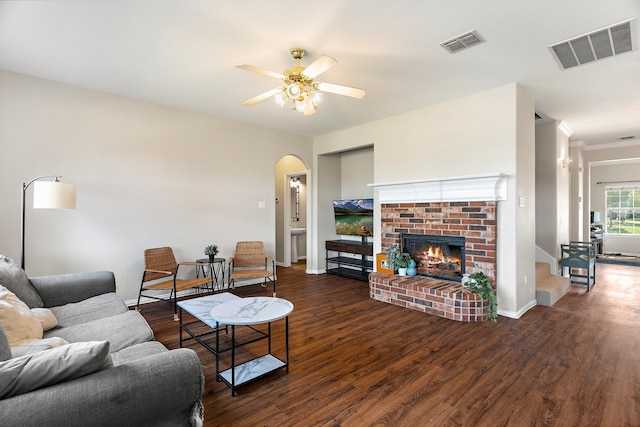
(392, 253)
(212, 251)
(480, 284)
(402, 262)
(397, 260)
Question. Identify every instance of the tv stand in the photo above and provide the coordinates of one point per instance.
(353, 259)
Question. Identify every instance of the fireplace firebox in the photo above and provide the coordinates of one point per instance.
(435, 255)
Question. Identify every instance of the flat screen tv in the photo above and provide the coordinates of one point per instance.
(354, 217)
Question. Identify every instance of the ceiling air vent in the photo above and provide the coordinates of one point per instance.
(462, 42)
(599, 44)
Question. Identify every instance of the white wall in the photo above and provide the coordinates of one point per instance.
(147, 176)
(326, 187)
(357, 173)
(468, 136)
(576, 196)
(611, 172)
(552, 188)
(594, 155)
(526, 221)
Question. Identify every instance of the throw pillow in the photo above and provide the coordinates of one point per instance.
(24, 347)
(27, 373)
(46, 317)
(15, 279)
(16, 318)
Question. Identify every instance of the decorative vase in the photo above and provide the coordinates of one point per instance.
(465, 280)
(411, 270)
(402, 271)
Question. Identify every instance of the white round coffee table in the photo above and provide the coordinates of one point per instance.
(247, 312)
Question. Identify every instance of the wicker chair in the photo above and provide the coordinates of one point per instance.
(159, 263)
(250, 262)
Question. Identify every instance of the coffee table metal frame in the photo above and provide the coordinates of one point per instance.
(241, 374)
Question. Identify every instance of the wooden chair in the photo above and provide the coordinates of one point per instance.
(580, 259)
(159, 263)
(250, 262)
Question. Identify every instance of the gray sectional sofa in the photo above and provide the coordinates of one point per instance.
(123, 378)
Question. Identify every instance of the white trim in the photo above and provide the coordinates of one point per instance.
(615, 144)
(463, 188)
(518, 314)
(565, 129)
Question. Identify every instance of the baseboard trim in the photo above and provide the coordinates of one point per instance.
(518, 314)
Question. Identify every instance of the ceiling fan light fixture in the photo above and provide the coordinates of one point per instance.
(304, 104)
(316, 98)
(304, 93)
(293, 91)
(301, 102)
(281, 98)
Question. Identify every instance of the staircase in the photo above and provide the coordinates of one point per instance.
(549, 289)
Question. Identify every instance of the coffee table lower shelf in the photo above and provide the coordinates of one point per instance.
(252, 370)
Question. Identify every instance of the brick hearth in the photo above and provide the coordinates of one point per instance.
(442, 298)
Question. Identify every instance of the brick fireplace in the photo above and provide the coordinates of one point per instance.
(461, 208)
(475, 221)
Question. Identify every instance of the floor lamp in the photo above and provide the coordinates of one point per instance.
(47, 195)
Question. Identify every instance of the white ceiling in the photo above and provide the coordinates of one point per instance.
(182, 53)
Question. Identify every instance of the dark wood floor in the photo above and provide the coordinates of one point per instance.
(360, 362)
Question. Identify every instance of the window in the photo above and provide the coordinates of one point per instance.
(623, 210)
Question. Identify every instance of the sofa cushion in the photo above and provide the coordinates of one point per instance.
(121, 330)
(137, 352)
(24, 347)
(5, 350)
(23, 374)
(15, 279)
(16, 318)
(93, 308)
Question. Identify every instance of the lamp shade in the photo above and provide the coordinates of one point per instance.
(54, 195)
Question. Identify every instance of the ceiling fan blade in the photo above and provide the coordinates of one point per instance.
(262, 96)
(319, 66)
(260, 71)
(341, 90)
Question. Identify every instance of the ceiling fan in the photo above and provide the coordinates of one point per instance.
(299, 86)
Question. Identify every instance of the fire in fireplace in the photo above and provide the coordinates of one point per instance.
(435, 255)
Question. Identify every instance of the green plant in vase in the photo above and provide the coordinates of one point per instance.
(480, 284)
(397, 260)
(392, 253)
(211, 251)
(402, 262)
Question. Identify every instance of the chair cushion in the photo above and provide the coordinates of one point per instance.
(17, 320)
(23, 374)
(14, 278)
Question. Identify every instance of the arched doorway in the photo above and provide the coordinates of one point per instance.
(292, 183)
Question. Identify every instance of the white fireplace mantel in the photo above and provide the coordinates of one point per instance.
(452, 189)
